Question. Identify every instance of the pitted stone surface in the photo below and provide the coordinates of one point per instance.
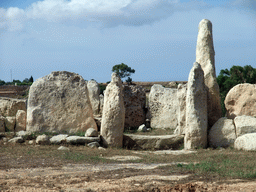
(59, 102)
(241, 100)
(196, 110)
(163, 105)
(205, 57)
(113, 117)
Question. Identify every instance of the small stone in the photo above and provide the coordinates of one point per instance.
(93, 145)
(58, 139)
(31, 142)
(16, 140)
(101, 148)
(91, 132)
(142, 128)
(62, 148)
(43, 140)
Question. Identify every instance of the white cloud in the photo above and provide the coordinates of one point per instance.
(108, 13)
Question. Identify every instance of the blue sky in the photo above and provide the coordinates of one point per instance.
(155, 37)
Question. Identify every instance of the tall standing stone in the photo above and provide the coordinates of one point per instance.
(205, 57)
(94, 95)
(196, 110)
(59, 102)
(113, 116)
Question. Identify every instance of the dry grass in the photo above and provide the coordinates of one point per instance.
(228, 163)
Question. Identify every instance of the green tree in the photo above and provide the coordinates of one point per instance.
(31, 79)
(236, 75)
(123, 71)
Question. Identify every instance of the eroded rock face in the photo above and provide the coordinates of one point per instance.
(246, 142)
(196, 110)
(94, 93)
(245, 124)
(59, 102)
(10, 106)
(163, 105)
(205, 57)
(21, 117)
(2, 126)
(181, 94)
(241, 100)
(113, 117)
(10, 123)
(222, 133)
(134, 102)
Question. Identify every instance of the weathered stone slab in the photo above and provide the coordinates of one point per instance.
(10, 123)
(58, 139)
(78, 140)
(222, 133)
(246, 142)
(245, 124)
(59, 102)
(134, 103)
(196, 110)
(205, 57)
(153, 142)
(181, 112)
(163, 105)
(21, 118)
(2, 124)
(10, 106)
(94, 93)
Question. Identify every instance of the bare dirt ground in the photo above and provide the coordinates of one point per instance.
(42, 168)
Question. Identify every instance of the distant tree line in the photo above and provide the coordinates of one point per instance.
(236, 75)
(26, 81)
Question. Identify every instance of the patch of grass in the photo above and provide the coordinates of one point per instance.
(225, 165)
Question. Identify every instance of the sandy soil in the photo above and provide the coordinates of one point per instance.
(111, 177)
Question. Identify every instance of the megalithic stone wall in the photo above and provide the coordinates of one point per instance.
(59, 102)
(196, 110)
(113, 116)
(205, 57)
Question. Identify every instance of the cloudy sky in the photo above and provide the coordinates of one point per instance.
(157, 38)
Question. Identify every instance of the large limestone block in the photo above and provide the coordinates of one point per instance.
(134, 103)
(94, 93)
(222, 133)
(246, 142)
(241, 100)
(113, 117)
(205, 57)
(2, 124)
(153, 142)
(245, 124)
(10, 106)
(10, 123)
(196, 110)
(21, 118)
(182, 95)
(59, 102)
(163, 105)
